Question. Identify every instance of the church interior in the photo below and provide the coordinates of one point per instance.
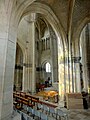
(45, 60)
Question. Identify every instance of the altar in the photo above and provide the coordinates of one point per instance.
(49, 95)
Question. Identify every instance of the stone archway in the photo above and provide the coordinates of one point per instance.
(16, 14)
(76, 51)
(79, 28)
(48, 14)
(85, 59)
(50, 17)
(18, 75)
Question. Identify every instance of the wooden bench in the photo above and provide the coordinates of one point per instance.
(48, 104)
(32, 99)
(21, 100)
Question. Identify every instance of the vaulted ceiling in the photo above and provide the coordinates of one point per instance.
(70, 13)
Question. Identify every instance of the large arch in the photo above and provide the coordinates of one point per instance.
(18, 72)
(50, 17)
(76, 47)
(16, 17)
(46, 11)
(80, 27)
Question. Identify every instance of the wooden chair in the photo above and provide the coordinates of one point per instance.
(43, 116)
(61, 114)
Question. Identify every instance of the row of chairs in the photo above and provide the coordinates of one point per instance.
(53, 112)
(48, 112)
(35, 116)
(45, 113)
(38, 115)
(49, 109)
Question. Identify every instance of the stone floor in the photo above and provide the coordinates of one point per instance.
(76, 114)
(79, 114)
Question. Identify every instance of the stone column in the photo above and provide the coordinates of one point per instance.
(45, 43)
(7, 60)
(72, 69)
(78, 82)
(27, 71)
(29, 61)
(87, 35)
(77, 61)
(74, 77)
(33, 58)
(54, 55)
(17, 80)
(83, 53)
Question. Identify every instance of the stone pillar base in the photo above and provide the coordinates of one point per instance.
(33, 93)
(14, 116)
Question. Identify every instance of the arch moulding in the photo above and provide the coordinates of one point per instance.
(80, 28)
(46, 11)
